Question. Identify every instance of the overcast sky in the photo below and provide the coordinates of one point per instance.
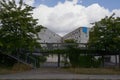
(63, 16)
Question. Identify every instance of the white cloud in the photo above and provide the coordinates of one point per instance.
(29, 2)
(75, 1)
(65, 17)
(95, 12)
(117, 12)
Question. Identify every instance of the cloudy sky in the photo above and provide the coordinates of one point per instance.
(63, 16)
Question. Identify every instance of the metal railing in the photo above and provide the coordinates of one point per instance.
(25, 59)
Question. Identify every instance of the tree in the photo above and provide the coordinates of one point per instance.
(71, 47)
(105, 35)
(18, 29)
(78, 56)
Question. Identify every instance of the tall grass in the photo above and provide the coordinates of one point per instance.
(18, 67)
(101, 71)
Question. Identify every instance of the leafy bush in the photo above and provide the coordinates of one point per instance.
(89, 61)
(86, 61)
(37, 60)
(78, 57)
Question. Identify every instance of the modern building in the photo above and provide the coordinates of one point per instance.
(80, 35)
(47, 36)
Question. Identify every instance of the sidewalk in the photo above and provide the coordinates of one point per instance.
(55, 74)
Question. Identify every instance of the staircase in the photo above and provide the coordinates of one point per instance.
(25, 59)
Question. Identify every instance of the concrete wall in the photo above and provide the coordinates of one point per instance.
(48, 36)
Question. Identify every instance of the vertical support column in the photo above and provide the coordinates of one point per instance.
(119, 60)
(58, 59)
(115, 60)
(103, 61)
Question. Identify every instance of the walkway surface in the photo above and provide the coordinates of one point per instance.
(55, 73)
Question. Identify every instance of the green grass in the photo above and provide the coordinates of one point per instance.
(101, 71)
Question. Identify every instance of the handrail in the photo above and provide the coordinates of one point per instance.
(24, 61)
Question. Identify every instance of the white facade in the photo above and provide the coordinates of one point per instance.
(113, 59)
(80, 35)
(47, 36)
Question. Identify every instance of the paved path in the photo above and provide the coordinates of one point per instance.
(56, 74)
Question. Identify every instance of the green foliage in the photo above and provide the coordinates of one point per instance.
(88, 61)
(71, 43)
(6, 61)
(78, 58)
(105, 34)
(18, 29)
(70, 52)
(39, 59)
(74, 58)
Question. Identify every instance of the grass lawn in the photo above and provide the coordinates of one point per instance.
(101, 71)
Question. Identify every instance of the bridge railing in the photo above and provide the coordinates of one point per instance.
(52, 46)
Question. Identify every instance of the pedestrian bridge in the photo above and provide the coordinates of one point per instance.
(49, 48)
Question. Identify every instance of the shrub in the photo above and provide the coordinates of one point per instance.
(89, 61)
(86, 61)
